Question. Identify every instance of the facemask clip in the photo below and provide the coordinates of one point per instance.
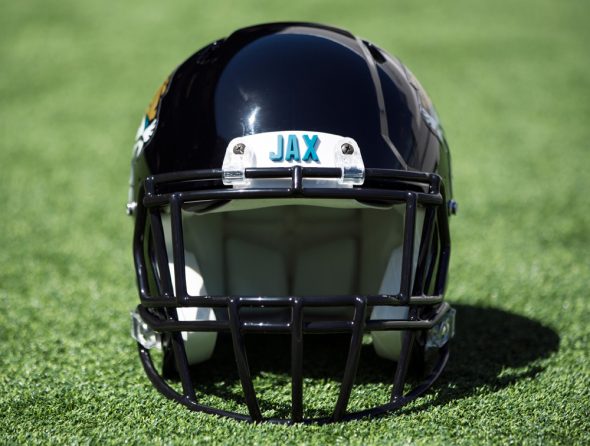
(442, 332)
(142, 333)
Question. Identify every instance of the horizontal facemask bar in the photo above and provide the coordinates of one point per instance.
(194, 185)
(332, 326)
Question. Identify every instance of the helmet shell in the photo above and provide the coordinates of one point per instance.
(290, 76)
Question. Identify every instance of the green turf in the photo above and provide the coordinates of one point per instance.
(511, 80)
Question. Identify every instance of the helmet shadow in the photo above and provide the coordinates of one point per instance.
(492, 349)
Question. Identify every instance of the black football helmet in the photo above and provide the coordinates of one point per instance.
(291, 179)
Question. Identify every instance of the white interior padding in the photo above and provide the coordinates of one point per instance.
(267, 248)
(199, 346)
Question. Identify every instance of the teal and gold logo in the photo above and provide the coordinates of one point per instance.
(291, 151)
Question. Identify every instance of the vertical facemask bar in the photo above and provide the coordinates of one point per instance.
(408, 249)
(405, 294)
(242, 361)
(182, 363)
(354, 352)
(423, 264)
(445, 250)
(297, 360)
(402, 366)
(433, 264)
(161, 254)
(178, 246)
(178, 347)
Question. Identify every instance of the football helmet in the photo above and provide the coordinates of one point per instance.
(291, 179)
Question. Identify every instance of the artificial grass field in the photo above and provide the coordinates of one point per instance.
(511, 81)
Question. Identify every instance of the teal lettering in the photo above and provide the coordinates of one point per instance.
(278, 156)
(311, 144)
(292, 152)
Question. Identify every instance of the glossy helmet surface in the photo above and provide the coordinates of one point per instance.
(289, 180)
